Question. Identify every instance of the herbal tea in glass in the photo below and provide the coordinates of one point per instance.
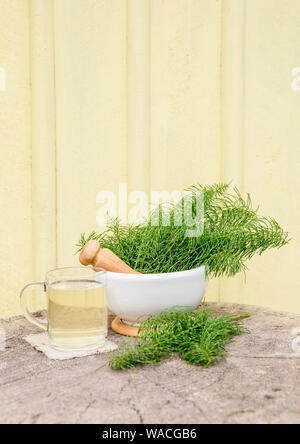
(77, 313)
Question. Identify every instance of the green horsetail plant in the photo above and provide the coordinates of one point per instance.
(232, 233)
(197, 337)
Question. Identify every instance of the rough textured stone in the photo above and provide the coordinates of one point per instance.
(258, 383)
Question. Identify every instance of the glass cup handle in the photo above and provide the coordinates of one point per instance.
(23, 297)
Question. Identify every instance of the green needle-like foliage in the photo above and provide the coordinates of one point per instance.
(233, 232)
(198, 338)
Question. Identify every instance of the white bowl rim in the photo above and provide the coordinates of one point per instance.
(156, 275)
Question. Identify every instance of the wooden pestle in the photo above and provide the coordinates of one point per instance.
(93, 254)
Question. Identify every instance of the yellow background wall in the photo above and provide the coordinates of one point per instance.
(160, 94)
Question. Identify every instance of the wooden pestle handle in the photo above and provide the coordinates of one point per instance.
(93, 254)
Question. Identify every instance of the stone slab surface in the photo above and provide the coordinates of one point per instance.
(258, 383)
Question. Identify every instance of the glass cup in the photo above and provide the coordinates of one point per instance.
(76, 308)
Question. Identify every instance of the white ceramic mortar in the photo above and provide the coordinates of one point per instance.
(133, 297)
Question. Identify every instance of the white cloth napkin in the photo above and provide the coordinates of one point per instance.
(41, 342)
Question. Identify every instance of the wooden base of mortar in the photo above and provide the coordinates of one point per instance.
(123, 329)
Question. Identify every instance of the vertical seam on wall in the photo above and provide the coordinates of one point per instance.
(221, 114)
(43, 176)
(232, 95)
(222, 39)
(55, 133)
(127, 91)
(244, 97)
(148, 98)
(233, 16)
(149, 185)
(31, 141)
(138, 139)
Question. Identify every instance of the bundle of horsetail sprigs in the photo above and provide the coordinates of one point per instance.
(232, 233)
(197, 337)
